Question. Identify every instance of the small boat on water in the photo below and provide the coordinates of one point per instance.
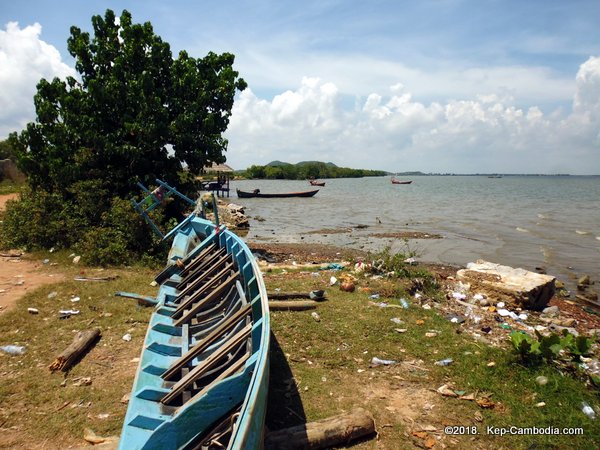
(257, 194)
(202, 380)
(316, 183)
(396, 181)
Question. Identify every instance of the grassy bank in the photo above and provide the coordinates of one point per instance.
(318, 368)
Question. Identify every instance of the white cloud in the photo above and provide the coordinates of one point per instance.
(391, 131)
(24, 60)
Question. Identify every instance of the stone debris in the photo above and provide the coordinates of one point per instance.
(518, 287)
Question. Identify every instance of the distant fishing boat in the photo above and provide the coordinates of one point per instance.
(257, 194)
(316, 183)
(202, 380)
(396, 181)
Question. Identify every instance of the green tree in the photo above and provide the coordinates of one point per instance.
(6, 150)
(135, 114)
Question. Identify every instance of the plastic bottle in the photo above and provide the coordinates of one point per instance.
(13, 349)
(404, 303)
(444, 362)
(588, 410)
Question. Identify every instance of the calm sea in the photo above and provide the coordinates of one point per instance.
(520, 221)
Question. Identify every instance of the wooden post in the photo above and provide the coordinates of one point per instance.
(326, 433)
(82, 341)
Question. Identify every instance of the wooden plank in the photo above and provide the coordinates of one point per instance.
(194, 284)
(197, 349)
(197, 273)
(200, 369)
(210, 297)
(202, 290)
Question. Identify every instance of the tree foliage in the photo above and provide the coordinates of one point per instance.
(303, 171)
(135, 113)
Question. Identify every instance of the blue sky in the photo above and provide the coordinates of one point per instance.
(440, 86)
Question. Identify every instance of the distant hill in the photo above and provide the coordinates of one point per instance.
(300, 164)
(307, 170)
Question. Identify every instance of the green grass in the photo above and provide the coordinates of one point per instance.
(318, 369)
(352, 331)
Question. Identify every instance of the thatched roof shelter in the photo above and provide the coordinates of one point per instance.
(223, 168)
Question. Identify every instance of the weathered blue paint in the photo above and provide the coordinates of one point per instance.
(150, 424)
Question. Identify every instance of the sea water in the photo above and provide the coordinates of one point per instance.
(550, 222)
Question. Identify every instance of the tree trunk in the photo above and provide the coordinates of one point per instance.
(326, 433)
(82, 341)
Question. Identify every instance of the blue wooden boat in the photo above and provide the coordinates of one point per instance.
(202, 380)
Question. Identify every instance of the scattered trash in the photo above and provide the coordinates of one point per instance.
(500, 305)
(588, 410)
(45, 261)
(487, 330)
(491, 364)
(103, 416)
(397, 320)
(382, 362)
(411, 261)
(404, 303)
(66, 313)
(347, 286)
(126, 337)
(446, 391)
(316, 295)
(430, 334)
(541, 380)
(332, 281)
(33, 311)
(426, 306)
(52, 294)
(459, 295)
(13, 349)
(76, 259)
(444, 362)
(75, 299)
(153, 283)
(315, 315)
(401, 330)
(125, 398)
(332, 266)
(455, 318)
(374, 296)
(84, 381)
(540, 404)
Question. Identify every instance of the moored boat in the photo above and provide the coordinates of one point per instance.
(257, 194)
(396, 181)
(202, 380)
(316, 183)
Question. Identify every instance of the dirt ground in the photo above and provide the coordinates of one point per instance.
(18, 274)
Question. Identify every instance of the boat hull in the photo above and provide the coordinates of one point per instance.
(203, 371)
(245, 194)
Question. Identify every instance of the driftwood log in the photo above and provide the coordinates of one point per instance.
(326, 433)
(288, 295)
(82, 341)
(291, 305)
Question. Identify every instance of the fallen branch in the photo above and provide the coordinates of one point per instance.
(292, 305)
(110, 278)
(82, 341)
(331, 432)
